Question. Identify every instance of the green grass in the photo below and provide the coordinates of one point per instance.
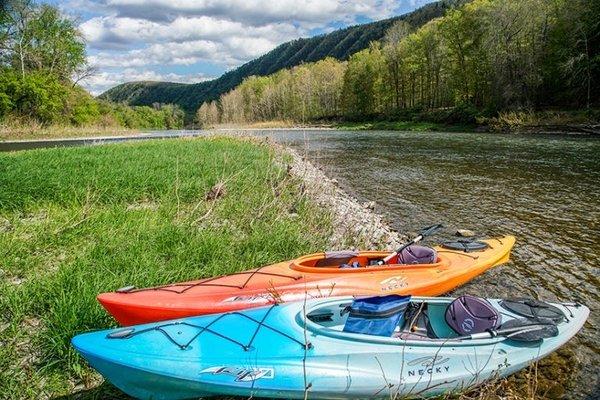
(75, 222)
(414, 126)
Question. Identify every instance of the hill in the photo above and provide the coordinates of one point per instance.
(339, 44)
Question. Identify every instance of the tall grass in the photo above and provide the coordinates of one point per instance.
(75, 222)
(16, 129)
(585, 121)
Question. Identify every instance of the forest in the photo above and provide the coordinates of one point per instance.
(479, 59)
(42, 62)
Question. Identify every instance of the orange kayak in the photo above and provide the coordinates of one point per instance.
(304, 278)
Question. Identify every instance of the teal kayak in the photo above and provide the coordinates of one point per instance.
(301, 350)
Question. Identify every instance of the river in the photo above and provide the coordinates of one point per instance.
(545, 190)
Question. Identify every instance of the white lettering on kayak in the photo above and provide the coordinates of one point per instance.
(393, 283)
(241, 374)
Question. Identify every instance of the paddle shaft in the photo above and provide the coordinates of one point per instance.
(508, 332)
(425, 232)
(394, 254)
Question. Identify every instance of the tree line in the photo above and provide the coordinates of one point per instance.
(480, 58)
(42, 61)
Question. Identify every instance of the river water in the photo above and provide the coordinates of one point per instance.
(545, 190)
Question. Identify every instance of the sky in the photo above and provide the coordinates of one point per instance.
(195, 40)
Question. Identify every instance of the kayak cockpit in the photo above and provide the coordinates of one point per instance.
(465, 320)
(355, 261)
(422, 321)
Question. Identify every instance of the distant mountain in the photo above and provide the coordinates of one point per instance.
(340, 44)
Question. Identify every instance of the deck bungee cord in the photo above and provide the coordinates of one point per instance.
(128, 333)
(209, 282)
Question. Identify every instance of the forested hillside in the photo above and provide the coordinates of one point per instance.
(480, 59)
(340, 44)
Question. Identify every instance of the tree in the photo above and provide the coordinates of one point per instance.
(514, 38)
(578, 33)
(391, 49)
(363, 83)
(39, 38)
(461, 32)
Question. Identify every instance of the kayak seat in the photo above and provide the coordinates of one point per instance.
(467, 315)
(416, 324)
(438, 323)
(417, 255)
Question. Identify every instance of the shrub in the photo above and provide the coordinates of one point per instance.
(36, 95)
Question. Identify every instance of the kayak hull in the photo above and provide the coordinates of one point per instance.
(296, 280)
(275, 352)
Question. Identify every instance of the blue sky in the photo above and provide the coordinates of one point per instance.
(195, 40)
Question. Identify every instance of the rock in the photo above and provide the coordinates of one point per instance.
(369, 205)
(79, 387)
(16, 281)
(354, 224)
(465, 233)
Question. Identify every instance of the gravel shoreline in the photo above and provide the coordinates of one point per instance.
(353, 223)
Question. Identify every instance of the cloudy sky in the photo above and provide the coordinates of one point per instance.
(194, 40)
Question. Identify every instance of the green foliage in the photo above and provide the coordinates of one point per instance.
(157, 117)
(340, 44)
(42, 50)
(36, 95)
(82, 108)
(44, 98)
(303, 93)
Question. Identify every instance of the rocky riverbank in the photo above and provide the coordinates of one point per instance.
(355, 224)
(352, 221)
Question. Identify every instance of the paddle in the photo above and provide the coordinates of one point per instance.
(523, 330)
(430, 230)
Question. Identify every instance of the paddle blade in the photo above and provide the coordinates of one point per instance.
(528, 330)
(430, 230)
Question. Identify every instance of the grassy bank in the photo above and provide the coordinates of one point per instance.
(37, 132)
(575, 122)
(76, 222)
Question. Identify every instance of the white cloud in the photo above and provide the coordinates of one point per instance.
(104, 80)
(232, 52)
(255, 12)
(140, 35)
